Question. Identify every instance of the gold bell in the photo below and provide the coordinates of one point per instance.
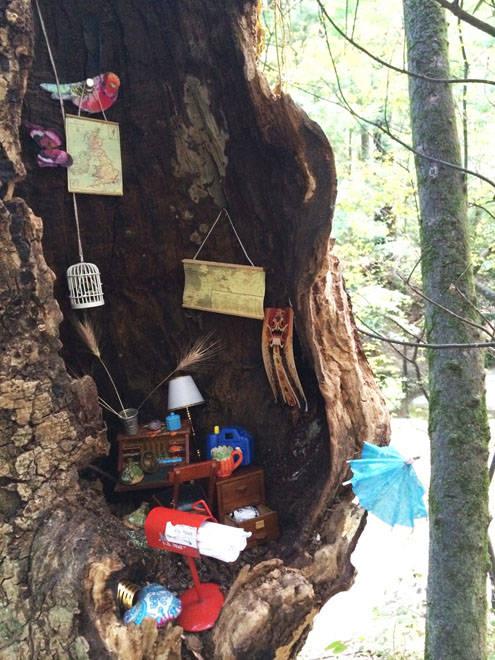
(126, 594)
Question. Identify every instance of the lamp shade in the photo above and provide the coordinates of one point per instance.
(182, 393)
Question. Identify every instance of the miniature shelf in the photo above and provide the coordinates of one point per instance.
(163, 444)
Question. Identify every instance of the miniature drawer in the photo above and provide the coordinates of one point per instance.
(245, 486)
(262, 528)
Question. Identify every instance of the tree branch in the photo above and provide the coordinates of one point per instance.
(468, 18)
(485, 291)
(449, 311)
(399, 325)
(483, 208)
(389, 340)
(412, 360)
(391, 135)
(476, 309)
(355, 18)
(492, 468)
(398, 69)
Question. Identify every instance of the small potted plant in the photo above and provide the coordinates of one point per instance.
(225, 455)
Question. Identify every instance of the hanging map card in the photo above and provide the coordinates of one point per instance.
(232, 289)
(95, 149)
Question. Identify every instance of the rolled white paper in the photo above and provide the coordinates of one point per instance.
(181, 534)
(221, 541)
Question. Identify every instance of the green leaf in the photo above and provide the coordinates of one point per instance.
(336, 647)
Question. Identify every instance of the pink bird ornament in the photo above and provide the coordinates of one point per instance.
(92, 95)
(49, 142)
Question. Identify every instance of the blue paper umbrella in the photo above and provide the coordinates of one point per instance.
(387, 485)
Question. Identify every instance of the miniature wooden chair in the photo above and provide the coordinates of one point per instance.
(192, 471)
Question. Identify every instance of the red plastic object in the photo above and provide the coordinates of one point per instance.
(156, 524)
(227, 465)
(201, 604)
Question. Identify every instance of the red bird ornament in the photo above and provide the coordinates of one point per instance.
(93, 94)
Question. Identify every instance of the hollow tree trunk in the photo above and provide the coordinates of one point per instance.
(200, 130)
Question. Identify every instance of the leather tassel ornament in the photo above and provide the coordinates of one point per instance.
(278, 357)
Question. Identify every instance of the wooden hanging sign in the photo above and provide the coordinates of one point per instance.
(232, 289)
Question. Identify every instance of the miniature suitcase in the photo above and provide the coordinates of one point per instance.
(246, 487)
(234, 436)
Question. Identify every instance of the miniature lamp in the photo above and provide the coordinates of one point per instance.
(182, 394)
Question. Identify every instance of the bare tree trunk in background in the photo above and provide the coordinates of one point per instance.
(456, 611)
(365, 144)
(200, 129)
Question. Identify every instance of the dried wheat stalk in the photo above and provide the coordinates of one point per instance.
(200, 352)
(87, 333)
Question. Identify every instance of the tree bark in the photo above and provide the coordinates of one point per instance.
(365, 144)
(17, 49)
(200, 130)
(456, 610)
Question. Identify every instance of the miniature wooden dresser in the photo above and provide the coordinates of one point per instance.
(244, 487)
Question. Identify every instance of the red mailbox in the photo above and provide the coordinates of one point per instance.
(177, 531)
(174, 530)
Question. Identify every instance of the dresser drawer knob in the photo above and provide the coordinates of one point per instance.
(241, 489)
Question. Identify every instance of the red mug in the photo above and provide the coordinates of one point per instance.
(227, 465)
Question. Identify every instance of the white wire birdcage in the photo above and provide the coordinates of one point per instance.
(83, 278)
(85, 288)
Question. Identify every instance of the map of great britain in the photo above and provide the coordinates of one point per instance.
(95, 148)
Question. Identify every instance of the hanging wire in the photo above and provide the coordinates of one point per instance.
(59, 91)
(76, 216)
(234, 230)
(52, 61)
(238, 237)
(101, 107)
(81, 96)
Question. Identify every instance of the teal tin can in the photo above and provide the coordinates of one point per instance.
(173, 422)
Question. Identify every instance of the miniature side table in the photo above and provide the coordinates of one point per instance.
(174, 444)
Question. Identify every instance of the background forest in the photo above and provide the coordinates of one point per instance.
(363, 107)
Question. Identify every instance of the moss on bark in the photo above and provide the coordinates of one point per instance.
(456, 611)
